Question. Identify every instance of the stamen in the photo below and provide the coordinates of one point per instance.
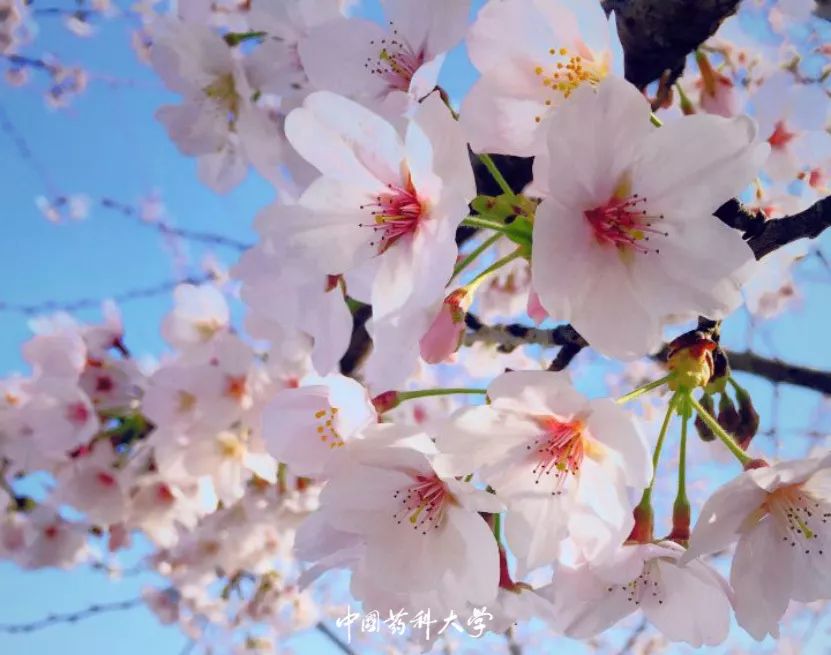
(568, 72)
(395, 213)
(622, 222)
(558, 451)
(424, 504)
(396, 62)
(326, 430)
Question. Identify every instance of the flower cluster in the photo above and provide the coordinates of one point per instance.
(271, 451)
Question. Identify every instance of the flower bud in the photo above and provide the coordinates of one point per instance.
(701, 427)
(445, 334)
(748, 424)
(680, 522)
(728, 417)
(386, 401)
(690, 362)
(644, 521)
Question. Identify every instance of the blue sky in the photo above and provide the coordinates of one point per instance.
(107, 144)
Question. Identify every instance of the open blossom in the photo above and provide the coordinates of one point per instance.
(793, 119)
(399, 524)
(92, 484)
(686, 603)
(387, 205)
(286, 302)
(625, 239)
(389, 67)
(305, 428)
(781, 516)
(562, 463)
(565, 44)
(217, 122)
(198, 314)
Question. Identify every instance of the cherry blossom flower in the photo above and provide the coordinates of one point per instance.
(625, 240)
(199, 313)
(286, 303)
(565, 44)
(306, 427)
(781, 516)
(686, 603)
(51, 540)
(94, 485)
(792, 119)
(398, 523)
(389, 67)
(562, 463)
(218, 122)
(385, 205)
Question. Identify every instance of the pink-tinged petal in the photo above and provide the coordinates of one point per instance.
(335, 54)
(395, 349)
(583, 605)
(502, 124)
(536, 312)
(223, 170)
(444, 336)
(584, 166)
(346, 141)
(723, 515)
(544, 392)
(478, 566)
(543, 25)
(196, 128)
(434, 26)
(762, 578)
(482, 436)
(437, 152)
(534, 529)
(329, 322)
(616, 428)
(706, 258)
(301, 430)
(691, 606)
(696, 163)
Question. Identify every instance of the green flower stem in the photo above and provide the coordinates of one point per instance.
(713, 424)
(681, 496)
(497, 527)
(497, 175)
(424, 393)
(657, 122)
(644, 389)
(476, 221)
(467, 261)
(499, 263)
(646, 499)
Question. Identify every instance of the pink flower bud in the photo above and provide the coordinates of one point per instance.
(445, 334)
(536, 311)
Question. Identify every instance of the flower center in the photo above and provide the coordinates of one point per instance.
(623, 221)
(230, 446)
(223, 91)
(645, 585)
(424, 504)
(797, 514)
(396, 61)
(326, 430)
(567, 72)
(77, 414)
(558, 451)
(396, 213)
(781, 136)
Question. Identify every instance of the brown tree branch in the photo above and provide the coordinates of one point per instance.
(657, 35)
(510, 336)
(766, 235)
